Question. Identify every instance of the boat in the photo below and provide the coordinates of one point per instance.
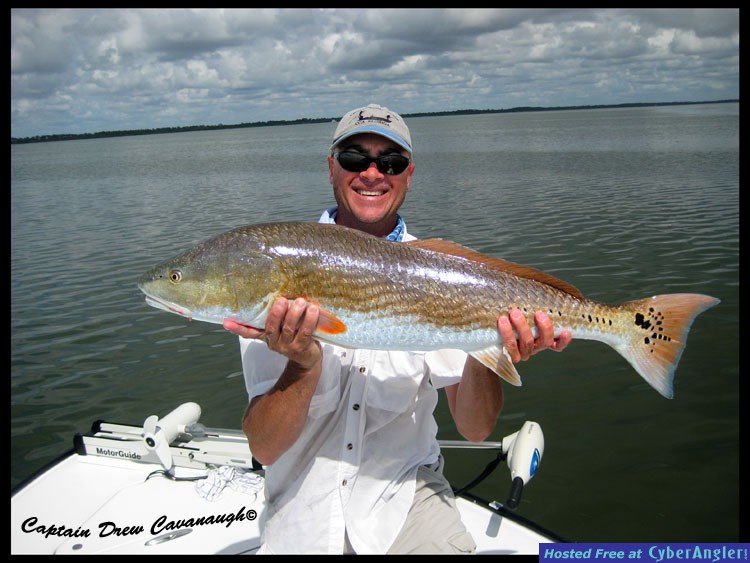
(173, 486)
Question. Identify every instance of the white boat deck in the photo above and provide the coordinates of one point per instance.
(111, 497)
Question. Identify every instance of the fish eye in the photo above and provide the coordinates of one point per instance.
(175, 276)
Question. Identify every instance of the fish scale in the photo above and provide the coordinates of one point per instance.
(421, 295)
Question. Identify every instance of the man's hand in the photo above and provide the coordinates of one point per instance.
(525, 345)
(288, 331)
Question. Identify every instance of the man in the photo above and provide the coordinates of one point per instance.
(348, 437)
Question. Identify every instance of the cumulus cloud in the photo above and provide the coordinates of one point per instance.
(86, 70)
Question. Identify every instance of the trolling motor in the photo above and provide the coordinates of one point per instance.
(158, 433)
(524, 451)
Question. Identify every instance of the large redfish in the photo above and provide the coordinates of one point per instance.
(422, 295)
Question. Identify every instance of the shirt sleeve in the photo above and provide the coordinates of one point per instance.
(445, 366)
(261, 367)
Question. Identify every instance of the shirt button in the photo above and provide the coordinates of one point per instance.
(356, 407)
(363, 369)
(343, 482)
(349, 446)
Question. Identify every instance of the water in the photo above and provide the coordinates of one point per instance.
(623, 203)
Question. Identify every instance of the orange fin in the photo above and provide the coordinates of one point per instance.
(328, 323)
(498, 360)
(659, 334)
(455, 249)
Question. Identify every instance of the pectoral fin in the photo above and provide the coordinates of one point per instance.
(329, 323)
(498, 360)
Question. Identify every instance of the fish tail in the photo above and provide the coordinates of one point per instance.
(660, 326)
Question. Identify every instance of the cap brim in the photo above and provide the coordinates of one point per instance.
(377, 131)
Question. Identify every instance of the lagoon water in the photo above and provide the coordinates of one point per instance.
(622, 202)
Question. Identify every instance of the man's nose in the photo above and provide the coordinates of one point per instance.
(372, 172)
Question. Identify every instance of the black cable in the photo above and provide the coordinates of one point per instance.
(173, 477)
(482, 476)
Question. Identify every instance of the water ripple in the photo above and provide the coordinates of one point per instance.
(622, 204)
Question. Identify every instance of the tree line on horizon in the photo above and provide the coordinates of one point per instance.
(160, 130)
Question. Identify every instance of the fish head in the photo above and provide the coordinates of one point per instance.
(213, 282)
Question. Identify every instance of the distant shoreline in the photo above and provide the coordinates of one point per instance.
(161, 130)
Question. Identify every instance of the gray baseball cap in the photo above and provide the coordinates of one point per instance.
(373, 119)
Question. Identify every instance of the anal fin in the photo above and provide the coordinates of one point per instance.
(498, 360)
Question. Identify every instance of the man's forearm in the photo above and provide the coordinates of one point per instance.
(478, 401)
(273, 421)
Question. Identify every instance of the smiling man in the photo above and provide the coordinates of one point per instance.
(348, 437)
(368, 196)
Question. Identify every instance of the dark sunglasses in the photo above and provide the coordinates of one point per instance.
(390, 164)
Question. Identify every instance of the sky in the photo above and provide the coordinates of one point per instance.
(90, 70)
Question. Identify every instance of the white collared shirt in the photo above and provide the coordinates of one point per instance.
(353, 469)
(369, 428)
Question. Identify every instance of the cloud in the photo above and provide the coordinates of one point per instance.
(85, 70)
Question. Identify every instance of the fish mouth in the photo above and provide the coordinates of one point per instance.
(167, 306)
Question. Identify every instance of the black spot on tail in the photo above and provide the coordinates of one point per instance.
(642, 321)
(645, 324)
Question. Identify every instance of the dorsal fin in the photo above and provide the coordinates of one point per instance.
(455, 249)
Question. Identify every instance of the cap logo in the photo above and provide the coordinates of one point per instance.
(362, 117)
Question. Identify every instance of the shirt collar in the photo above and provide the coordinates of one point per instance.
(397, 235)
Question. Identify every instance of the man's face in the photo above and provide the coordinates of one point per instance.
(369, 200)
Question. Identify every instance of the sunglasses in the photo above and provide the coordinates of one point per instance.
(391, 164)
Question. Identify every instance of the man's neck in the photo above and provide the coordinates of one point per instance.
(380, 229)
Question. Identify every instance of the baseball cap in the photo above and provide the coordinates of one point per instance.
(373, 119)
